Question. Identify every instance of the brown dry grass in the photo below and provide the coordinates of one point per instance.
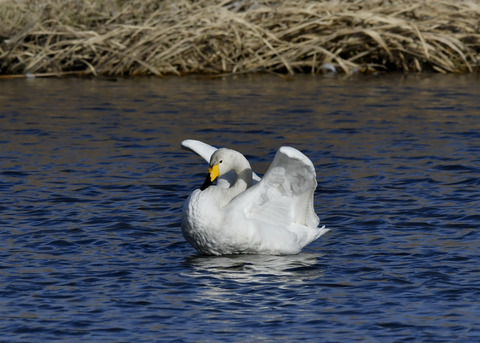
(142, 37)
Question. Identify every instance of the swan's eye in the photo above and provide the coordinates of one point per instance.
(220, 161)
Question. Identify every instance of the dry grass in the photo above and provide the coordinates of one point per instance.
(141, 37)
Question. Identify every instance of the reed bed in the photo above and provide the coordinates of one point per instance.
(151, 37)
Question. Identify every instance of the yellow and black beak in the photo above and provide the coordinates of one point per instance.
(213, 173)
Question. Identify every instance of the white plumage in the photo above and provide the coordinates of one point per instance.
(244, 214)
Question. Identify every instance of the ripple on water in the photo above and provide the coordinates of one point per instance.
(93, 181)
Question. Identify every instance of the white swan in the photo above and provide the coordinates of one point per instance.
(244, 214)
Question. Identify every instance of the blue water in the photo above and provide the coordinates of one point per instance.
(92, 181)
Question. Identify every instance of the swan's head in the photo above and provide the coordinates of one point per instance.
(222, 161)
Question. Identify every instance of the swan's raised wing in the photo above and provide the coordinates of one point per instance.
(285, 193)
(206, 151)
(203, 150)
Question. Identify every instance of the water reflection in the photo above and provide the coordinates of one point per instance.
(258, 268)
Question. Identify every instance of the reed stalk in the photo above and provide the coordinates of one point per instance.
(151, 37)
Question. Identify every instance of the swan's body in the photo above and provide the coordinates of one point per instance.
(244, 214)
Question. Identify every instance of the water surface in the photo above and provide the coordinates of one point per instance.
(92, 181)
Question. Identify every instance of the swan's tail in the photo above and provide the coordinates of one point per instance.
(318, 232)
(322, 230)
(307, 234)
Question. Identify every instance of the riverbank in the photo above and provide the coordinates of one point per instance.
(147, 37)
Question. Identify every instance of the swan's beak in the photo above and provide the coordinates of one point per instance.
(213, 173)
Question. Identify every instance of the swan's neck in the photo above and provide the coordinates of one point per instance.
(243, 173)
(244, 179)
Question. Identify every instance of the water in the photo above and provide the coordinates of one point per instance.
(93, 180)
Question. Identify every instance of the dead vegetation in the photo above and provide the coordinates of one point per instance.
(150, 37)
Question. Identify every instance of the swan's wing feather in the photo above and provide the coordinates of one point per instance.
(206, 151)
(285, 193)
(203, 150)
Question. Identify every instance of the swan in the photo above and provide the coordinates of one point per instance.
(246, 214)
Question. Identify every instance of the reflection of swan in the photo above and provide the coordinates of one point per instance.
(248, 268)
(274, 216)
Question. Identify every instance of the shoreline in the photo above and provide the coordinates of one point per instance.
(141, 38)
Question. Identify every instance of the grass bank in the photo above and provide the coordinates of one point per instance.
(152, 37)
